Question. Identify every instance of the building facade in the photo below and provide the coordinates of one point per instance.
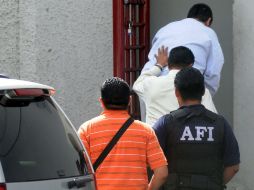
(68, 45)
(63, 43)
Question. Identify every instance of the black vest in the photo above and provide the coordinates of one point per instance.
(194, 149)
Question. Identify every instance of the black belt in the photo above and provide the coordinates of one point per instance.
(188, 181)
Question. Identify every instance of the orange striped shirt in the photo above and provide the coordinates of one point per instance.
(126, 165)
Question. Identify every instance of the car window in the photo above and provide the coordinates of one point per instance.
(37, 142)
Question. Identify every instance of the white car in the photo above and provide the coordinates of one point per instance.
(39, 147)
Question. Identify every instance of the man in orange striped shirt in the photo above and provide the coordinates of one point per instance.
(125, 167)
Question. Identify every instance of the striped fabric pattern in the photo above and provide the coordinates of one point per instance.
(126, 165)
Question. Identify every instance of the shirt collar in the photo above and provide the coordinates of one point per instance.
(173, 72)
(196, 21)
(115, 113)
(196, 106)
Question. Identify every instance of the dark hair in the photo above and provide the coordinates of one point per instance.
(180, 57)
(115, 93)
(201, 11)
(190, 83)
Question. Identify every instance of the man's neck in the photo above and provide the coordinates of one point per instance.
(206, 23)
(190, 103)
(174, 68)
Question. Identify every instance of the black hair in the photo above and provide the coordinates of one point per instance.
(190, 83)
(115, 94)
(200, 11)
(180, 57)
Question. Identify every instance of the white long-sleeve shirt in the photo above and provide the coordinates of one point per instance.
(158, 93)
(202, 41)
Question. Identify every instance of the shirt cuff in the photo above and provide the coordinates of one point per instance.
(156, 71)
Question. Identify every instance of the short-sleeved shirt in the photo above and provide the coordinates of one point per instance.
(231, 154)
(126, 165)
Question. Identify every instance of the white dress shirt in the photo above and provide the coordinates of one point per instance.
(202, 41)
(158, 93)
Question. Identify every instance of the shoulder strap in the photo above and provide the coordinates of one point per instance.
(112, 143)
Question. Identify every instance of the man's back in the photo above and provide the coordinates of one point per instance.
(195, 144)
(198, 144)
(202, 41)
(158, 93)
(125, 167)
(187, 32)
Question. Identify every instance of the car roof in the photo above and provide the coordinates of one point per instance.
(7, 84)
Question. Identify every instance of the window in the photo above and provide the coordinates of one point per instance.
(37, 143)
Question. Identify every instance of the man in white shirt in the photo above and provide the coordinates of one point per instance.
(195, 33)
(158, 93)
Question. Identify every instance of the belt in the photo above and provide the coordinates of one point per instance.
(189, 181)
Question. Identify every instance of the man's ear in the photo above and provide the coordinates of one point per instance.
(178, 97)
(208, 22)
(102, 103)
(177, 93)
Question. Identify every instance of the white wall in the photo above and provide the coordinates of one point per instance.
(9, 28)
(243, 31)
(63, 43)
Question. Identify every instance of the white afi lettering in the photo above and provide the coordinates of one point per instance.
(210, 132)
(187, 133)
(200, 133)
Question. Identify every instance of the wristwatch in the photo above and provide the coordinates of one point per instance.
(158, 65)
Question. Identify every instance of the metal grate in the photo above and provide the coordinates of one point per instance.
(131, 27)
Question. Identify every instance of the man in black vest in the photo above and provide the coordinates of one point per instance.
(200, 147)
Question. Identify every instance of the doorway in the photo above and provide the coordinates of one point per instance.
(164, 11)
